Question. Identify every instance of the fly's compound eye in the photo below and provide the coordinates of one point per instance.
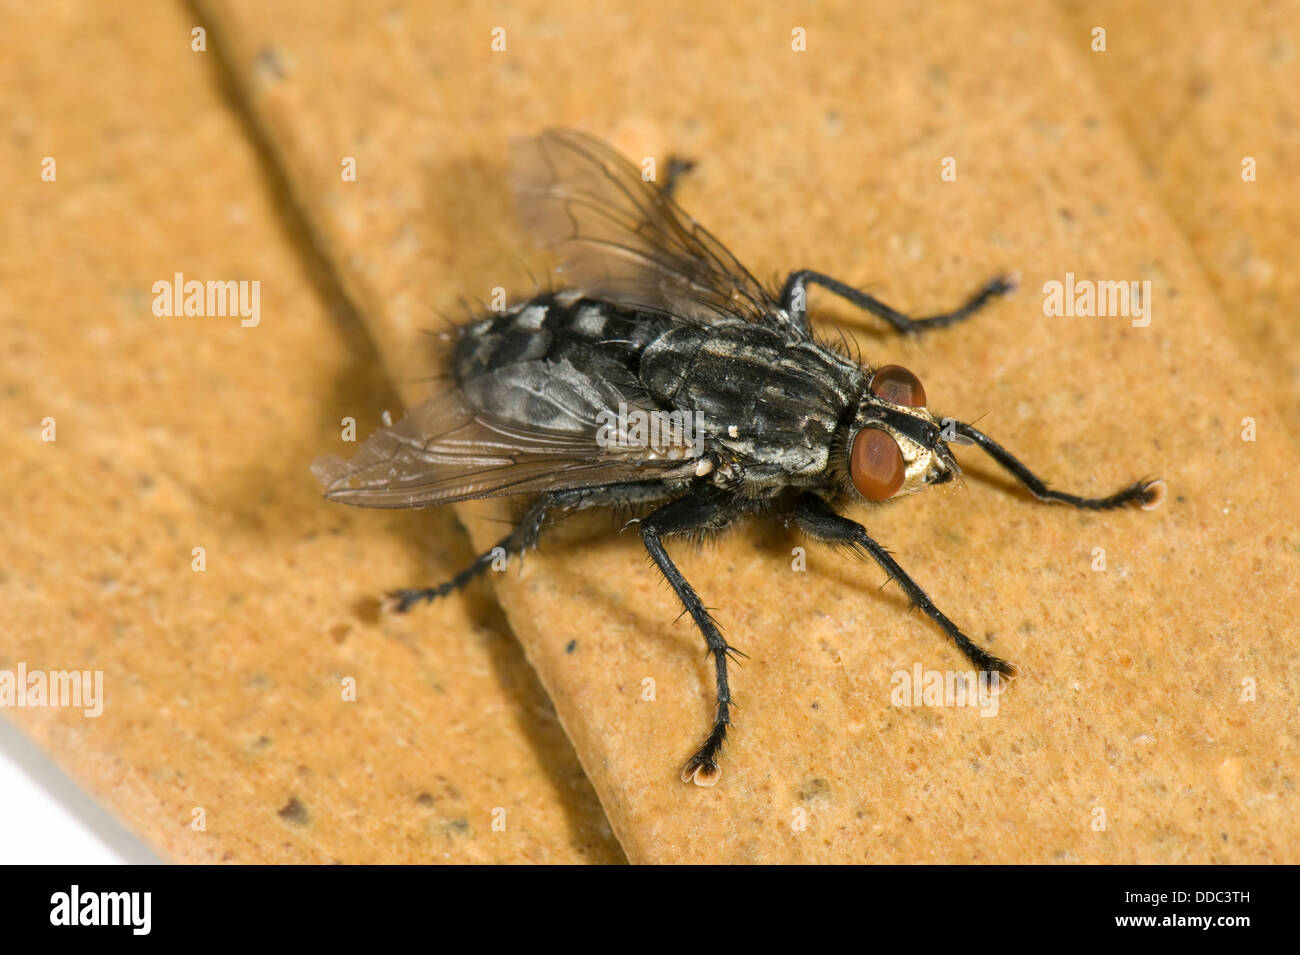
(876, 464)
(898, 386)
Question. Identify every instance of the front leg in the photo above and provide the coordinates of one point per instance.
(1146, 493)
(701, 511)
(816, 518)
(794, 299)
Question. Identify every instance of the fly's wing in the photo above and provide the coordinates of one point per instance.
(444, 450)
(622, 238)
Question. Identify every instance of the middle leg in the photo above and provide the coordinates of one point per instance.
(816, 518)
(702, 511)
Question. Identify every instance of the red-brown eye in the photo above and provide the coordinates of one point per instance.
(898, 386)
(876, 465)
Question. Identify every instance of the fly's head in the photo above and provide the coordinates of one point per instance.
(895, 445)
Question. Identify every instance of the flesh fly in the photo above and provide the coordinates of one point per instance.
(666, 379)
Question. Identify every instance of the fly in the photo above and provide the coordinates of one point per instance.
(668, 380)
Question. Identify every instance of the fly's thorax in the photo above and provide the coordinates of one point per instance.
(895, 445)
(773, 404)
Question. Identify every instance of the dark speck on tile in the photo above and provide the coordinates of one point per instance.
(270, 65)
(293, 811)
(814, 789)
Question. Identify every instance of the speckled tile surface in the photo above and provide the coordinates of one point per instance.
(1154, 720)
(1211, 111)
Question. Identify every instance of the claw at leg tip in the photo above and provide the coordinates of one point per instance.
(1154, 495)
(701, 773)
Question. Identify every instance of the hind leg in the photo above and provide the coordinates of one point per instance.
(525, 535)
(794, 299)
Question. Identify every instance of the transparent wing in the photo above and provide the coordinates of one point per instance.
(444, 450)
(621, 238)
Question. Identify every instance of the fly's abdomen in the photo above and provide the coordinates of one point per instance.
(557, 362)
(595, 338)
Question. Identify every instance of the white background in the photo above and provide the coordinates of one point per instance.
(47, 818)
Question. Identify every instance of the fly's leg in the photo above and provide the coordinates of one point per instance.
(526, 534)
(816, 518)
(702, 511)
(677, 168)
(794, 299)
(522, 538)
(400, 601)
(1147, 493)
